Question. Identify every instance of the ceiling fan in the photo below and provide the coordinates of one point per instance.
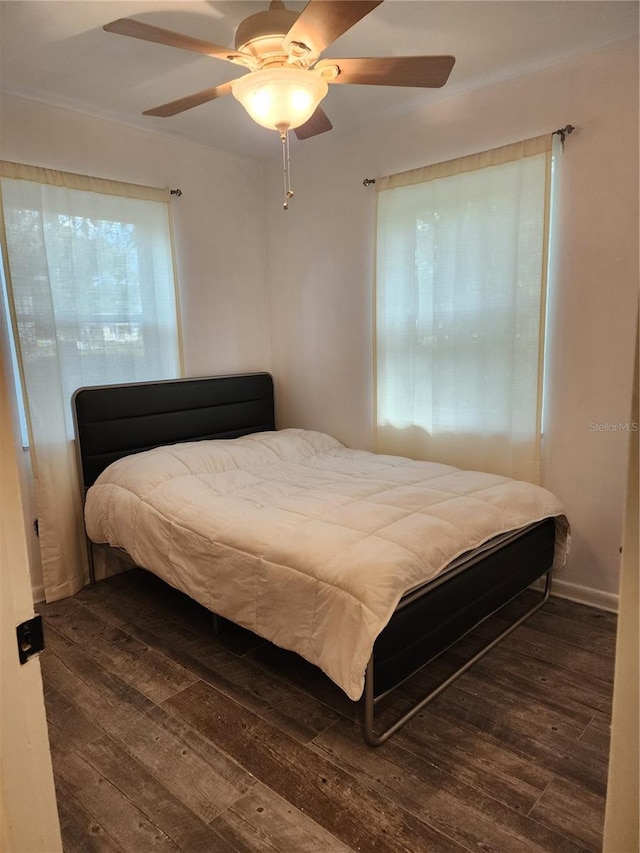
(281, 48)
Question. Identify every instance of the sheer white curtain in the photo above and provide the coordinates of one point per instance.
(90, 274)
(460, 299)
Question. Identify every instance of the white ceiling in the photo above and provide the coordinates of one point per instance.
(57, 52)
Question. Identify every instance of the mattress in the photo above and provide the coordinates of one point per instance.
(307, 543)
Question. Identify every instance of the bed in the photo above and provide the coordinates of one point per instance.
(369, 566)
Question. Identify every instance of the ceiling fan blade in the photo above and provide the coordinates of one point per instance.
(186, 103)
(147, 32)
(321, 22)
(423, 71)
(318, 123)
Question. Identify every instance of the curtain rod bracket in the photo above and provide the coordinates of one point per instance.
(368, 181)
(177, 193)
(563, 132)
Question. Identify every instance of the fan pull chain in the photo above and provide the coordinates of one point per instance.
(286, 169)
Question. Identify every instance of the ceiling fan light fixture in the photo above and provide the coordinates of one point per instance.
(280, 98)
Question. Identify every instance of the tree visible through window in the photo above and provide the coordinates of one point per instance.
(94, 292)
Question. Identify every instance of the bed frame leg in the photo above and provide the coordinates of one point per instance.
(373, 739)
(92, 566)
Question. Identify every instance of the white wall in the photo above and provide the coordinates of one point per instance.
(320, 269)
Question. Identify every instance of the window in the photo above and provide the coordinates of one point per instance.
(92, 285)
(461, 273)
(91, 291)
(13, 356)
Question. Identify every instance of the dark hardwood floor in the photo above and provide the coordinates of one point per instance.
(168, 737)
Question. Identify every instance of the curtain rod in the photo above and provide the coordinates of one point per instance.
(562, 132)
(77, 181)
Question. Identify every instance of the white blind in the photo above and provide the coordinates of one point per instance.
(461, 274)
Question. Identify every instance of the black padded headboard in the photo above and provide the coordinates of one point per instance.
(116, 420)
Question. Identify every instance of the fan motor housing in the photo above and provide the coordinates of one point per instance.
(262, 34)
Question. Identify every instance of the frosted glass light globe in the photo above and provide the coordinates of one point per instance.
(280, 98)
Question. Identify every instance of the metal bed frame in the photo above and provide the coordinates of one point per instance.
(117, 420)
(371, 700)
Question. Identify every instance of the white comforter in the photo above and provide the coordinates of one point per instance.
(301, 540)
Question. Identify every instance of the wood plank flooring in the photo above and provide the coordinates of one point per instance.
(166, 736)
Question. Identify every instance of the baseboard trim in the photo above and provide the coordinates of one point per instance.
(585, 595)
